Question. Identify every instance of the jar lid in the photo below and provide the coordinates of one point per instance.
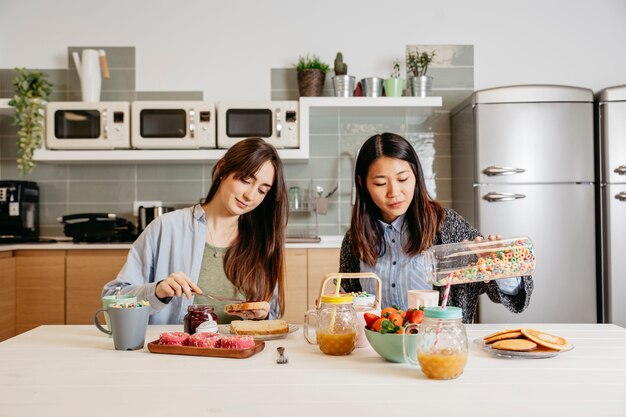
(443, 313)
(199, 307)
(336, 299)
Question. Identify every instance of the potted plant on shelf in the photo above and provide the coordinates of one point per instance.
(311, 75)
(394, 86)
(418, 62)
(32, 90)
(342, 82)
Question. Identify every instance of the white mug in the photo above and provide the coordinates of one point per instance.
(422, 298)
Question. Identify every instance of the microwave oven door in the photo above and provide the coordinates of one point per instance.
(173, 125)
(275, 122)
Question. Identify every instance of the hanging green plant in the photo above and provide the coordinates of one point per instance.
(32, 90)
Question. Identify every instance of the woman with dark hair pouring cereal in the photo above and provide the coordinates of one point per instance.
(232, 245)
(394, 221)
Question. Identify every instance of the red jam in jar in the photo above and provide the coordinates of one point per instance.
(197, 314)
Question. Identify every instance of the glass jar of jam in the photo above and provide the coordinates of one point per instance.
(441, 343)
(197, 314)
(337, 325)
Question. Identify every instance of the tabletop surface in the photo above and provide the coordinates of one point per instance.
(75, 371)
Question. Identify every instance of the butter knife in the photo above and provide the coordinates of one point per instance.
(220, 298)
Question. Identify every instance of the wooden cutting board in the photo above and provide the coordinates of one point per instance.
(155, 347)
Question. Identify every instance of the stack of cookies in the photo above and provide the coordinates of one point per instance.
(526, 340)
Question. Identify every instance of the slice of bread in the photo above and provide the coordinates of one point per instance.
(259, 327)
(252, 305)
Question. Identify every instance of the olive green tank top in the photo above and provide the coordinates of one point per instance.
(212, 279)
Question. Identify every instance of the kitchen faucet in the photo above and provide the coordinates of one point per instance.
(353, 194)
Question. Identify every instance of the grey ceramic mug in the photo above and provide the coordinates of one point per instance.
(128, 326)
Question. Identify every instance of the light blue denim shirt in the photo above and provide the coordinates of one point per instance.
(173, 242)
(400, 272)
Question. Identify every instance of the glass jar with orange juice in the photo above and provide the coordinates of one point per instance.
(337, 325)
(441, 343)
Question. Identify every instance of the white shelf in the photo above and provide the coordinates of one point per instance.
(357, 105)
(370, 102)
(145, 156)
(4, 104)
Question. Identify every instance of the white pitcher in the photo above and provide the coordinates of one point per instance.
(89, 74)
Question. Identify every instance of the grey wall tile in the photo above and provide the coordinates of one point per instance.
(101, 172)
(53, 191)
(117, 95)
(184, 192)
(51, 231)
(315, 168)
(283, 79)
(8, 147)
(170, 172)
(45, 172)
(170, 95)
(284, 95)
(460, 77)
(322, 123)
(49, 213)
(323, 145)
(101, 192)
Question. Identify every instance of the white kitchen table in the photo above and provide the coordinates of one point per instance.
(74, 371)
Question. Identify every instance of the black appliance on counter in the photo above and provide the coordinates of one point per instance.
(19, 211)
(98, 227)
(146, 214)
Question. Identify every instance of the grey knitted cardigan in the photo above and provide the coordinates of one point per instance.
(454, 229)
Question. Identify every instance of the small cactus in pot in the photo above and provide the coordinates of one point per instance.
(341, 68)
(342, 82)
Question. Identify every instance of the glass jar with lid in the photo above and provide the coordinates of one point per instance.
(337, 325)
(198, 314)
(441, 343)
(466, 262)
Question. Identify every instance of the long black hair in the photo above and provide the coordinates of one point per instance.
(423, 217)
(255, 262)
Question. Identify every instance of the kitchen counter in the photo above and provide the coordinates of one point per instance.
(326, 242)
(74, 371)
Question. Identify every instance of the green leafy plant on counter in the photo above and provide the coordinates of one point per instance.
(396, 69)
(311, 62)
(418, 62)
(32, 90)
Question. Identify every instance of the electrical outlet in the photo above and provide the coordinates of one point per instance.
(137, 204)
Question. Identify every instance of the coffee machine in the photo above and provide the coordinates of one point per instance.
(19, 211)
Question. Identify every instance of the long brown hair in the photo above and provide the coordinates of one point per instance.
(255, 262)
(422, 219)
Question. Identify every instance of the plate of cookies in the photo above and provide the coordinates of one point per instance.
(523, 343)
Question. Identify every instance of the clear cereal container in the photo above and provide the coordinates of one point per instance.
(466, 262)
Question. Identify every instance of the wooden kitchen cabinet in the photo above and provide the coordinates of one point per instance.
(296, 285)
(86, 272)
(320, 263)
(305, 270)
(40, 288)
(7, 295)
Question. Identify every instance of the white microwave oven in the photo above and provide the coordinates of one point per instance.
(275, 121)
(80, 125)
(172, 124)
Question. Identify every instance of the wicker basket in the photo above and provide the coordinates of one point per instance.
(311, 82)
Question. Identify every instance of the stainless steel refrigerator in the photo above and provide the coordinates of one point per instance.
(523, 165)
(612, 135)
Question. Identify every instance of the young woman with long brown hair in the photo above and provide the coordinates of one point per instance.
(232, 245)
(394, 220)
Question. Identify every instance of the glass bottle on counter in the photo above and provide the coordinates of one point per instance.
(198, 314)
